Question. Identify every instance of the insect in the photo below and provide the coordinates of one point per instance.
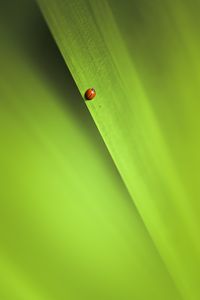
(90, 94)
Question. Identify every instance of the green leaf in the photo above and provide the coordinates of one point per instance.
(142, 59)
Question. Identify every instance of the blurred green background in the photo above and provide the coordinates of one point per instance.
(106, 207)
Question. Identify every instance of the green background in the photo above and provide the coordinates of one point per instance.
(106, 212)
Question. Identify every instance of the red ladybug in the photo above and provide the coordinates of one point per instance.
(90, 94)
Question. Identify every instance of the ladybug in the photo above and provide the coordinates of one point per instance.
(90, 94)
